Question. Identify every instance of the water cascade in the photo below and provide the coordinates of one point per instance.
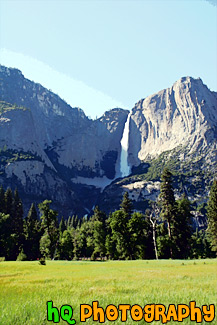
(124, 167)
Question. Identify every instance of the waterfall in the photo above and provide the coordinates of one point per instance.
(124, 167)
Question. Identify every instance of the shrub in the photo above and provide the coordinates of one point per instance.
(42, 261)
(22, 256)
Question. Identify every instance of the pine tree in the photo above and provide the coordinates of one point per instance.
(50, 227)
(32, 234)
(99, 215)
(2, 200)
(163, 241)
(76, 222)
(212, 216)
(13, 207)
(8, 201)
(110, 244)
(68, 222)
(62, 226)
(17, 223)
(5, 233)
(110, 247)
(168, 205)
(126, 205)
(182, 229)
(7, 238)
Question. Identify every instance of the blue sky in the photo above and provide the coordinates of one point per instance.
(102, 54)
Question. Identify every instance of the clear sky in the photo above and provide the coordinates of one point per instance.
(102, 54)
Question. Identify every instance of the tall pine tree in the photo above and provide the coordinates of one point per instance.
(212, 216)
(126, 205)
(17, 223)
(49, 223)
(183, 228)
(168, 205)
(2, 200)
(32, 234)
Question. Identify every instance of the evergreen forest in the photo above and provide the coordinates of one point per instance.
(164, 230)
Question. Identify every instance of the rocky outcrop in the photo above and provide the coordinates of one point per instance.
(140, 192)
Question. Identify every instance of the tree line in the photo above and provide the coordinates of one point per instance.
(163, 231)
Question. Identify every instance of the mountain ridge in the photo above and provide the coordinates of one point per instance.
(50, 150)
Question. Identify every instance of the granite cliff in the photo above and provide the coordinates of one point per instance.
(185, 114)
(48, 148)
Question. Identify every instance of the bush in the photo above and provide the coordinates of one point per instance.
(42, 261)
(22, 256)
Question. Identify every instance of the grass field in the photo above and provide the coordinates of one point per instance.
(25, 287)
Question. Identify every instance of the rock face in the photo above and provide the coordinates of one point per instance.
(49, 150)
(46, 144)
(185, 114)
(64, 133)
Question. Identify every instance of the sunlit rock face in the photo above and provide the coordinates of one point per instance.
(185, 114)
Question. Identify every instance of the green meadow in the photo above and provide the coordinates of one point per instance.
(25, 287)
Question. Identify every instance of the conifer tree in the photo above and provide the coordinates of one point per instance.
(17, 223)
(168, 206)
(110, 247)
(126, 205)
(110, 243)
(182, 228)
(8, 198)
(49, 225)
(76, 222)
(99, 235)
(62, 226)
(5, 233)
(212, 216)
(14, 208)
(68, 222)
(2, 200)
(32, 234)
(99, 215)
(7, 239)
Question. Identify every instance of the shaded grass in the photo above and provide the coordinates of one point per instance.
(25, 287)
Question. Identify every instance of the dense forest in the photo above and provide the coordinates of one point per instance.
(165, 230)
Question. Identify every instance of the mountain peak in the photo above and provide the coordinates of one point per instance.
(197, 82)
